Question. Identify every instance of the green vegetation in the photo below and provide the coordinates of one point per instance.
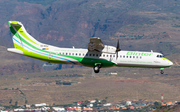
(157, 105)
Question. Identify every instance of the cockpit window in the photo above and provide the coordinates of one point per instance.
(160, 56)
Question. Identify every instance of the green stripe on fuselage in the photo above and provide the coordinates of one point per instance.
(19, 29)
(39, 56)
(91, 61)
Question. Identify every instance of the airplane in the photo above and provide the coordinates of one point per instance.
(96, 56)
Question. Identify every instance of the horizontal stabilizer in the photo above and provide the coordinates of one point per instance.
(14, 50)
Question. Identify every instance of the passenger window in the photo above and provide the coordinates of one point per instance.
(93, 54)
(97, 55)
(120, 56)
(59, 53)
(103, 55)
(113, 55)
(76, 54)
(63, 53)
(73, 54)
(89, 54)
(126, 56)
(129, 56)
(136, 56)
(110, 55)
(123, 56)
(106, 55)
(133, 56)
(66, 53)
(158, 56)
(79, 54)
(69, 53)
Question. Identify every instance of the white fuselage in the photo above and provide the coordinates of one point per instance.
(124, 59)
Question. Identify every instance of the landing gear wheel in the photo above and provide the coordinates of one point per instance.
(162, 72)
(97, 68)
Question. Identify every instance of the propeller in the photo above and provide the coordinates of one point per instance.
(117, 49)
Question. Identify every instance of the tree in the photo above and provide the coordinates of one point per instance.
(10, 101)
(96, 103)
(16, 103)
(26, 101)
(157, 104)
(103, 101)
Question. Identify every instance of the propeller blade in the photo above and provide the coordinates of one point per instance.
(116, 55)
(117, 49)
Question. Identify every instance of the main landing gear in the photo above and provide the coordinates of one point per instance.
(97, 67)
(162, 72)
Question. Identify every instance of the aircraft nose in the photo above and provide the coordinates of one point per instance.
(170, 63)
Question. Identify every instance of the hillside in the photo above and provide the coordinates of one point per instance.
(128, 84)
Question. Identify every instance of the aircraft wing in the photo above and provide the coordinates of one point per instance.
(95, 44)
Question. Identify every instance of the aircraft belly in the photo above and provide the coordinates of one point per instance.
(90, 62)
(141, 65)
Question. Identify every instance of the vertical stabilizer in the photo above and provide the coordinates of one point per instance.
(21, 39)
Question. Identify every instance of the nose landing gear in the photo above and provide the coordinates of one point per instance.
(162, 72)
(97, 67)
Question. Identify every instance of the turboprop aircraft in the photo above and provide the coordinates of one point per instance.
(97, 55)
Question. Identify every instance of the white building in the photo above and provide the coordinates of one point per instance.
(128, 103)
(90, 105)
(93, 101)
(19, 110)
(58, 109)
(40, 105)
(107, 104)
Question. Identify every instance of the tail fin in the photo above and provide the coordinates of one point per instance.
(21, 38)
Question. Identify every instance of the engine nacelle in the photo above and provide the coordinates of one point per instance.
(109, 49)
